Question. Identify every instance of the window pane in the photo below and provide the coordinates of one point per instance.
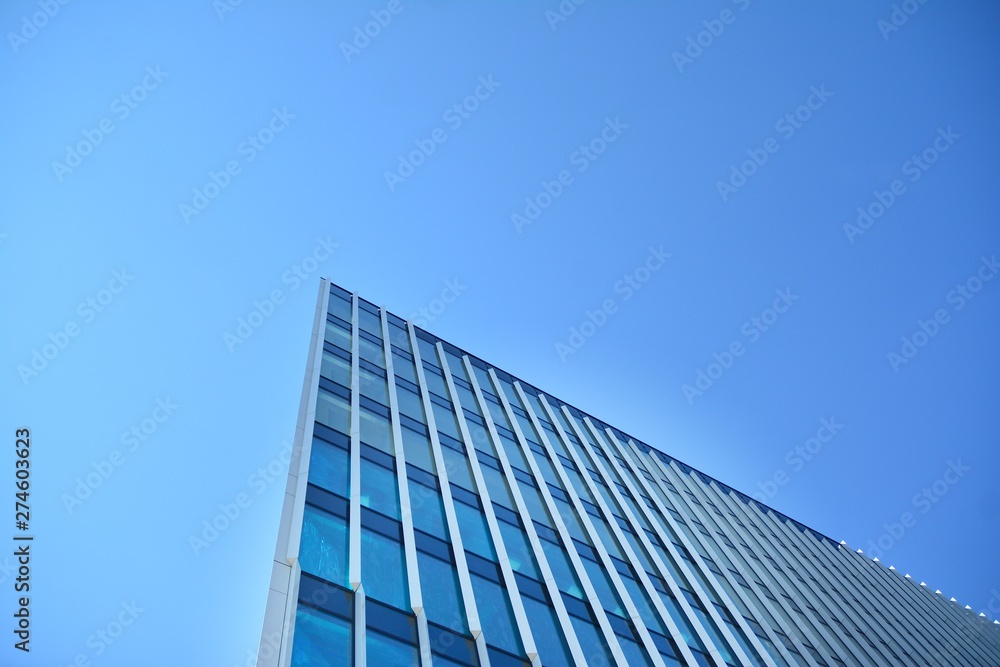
(383, 569)
(492, 603)
(602, 584)
(333, 411)
(321, 640)
(428, 352)
(444, 419)
(329, 467)
(435, 384)
(375, 431)
(337, 336)
(417, 450)
(410, 404)
(369, 322)
(549, 639)
(336, 369)
(323, 550)
(497, 485)
(378, 489)
(593, 645)
(371, 352)
(518, 550)
(428, 512)
(457, 467)
(562, 569)
(398, 336)
(373, 386)
(403, 368)
(388, 652)
(442, 595)
(340, 307)
(475, 532)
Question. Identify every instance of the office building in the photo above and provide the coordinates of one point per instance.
(441, 511)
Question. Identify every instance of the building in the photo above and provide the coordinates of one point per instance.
(458, 516)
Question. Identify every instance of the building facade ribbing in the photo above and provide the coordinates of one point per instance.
(440, 511)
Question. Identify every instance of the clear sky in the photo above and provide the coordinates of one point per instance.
(169, 170)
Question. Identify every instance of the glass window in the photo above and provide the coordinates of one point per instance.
(417, 450)
(527, 429)
(333, 411)
(321, 640)
(386, 651)
(497, 486)
(338, 336)
(456, 366)
(378, 489)
(410, 404)
(323, 549)
(518, 550)
(635, 655)
(373, 386)
(592, 642)
(475, 531)
(336, 369)
(445, 421)
(571, 520)
(467, 399)
(436, 384)
(602, 584)
(428, 352)
(562, 569)
(383, 569)
(442, 595)
(398, 336)
(549, 638)
(428, 511)
(403, 367)
(493, 604)
(371, 351)
(536, 508)
(375, 431)
(514, 454)
(329, 467)
(499, 417)
(369, 322)
(340, 307)
(457, 467)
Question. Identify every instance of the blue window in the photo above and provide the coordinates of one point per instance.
(369, 322)
(383, 569)
(445, 420)
(457, 467)
(371, 350)
(635, 655)
(321, 640)
(338, 336)
(386, 651)
(602, 584)
(496, 613)
(427, 510)
(340, 307)
(378, 489)
(373, 386)
(375, 431)
(562, 569)
(417, 450)
(475, 532)
(333, 411)
(410, 404)
(329, 467)
(441, 593)
(323, 549)
(595, 649)
(518, 550)
(336, 368)
(549, 639)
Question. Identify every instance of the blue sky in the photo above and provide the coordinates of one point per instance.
(171, 169)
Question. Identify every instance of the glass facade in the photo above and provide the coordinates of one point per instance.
(451, 514)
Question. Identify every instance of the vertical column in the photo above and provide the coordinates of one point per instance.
(529, 527)
(409, 544)
(510, 584)
(354, 526)
(461, 565)
(282, 597)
